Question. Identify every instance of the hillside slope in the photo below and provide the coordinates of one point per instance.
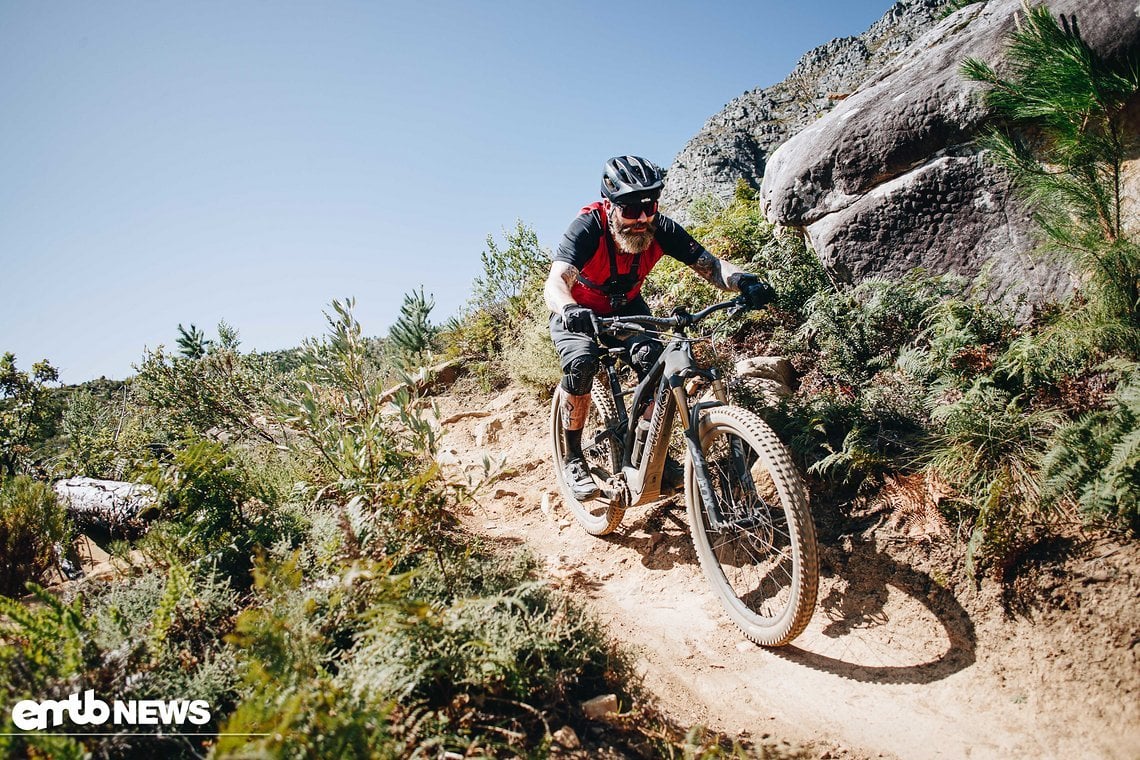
(902, 659)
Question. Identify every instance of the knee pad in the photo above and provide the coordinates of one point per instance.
(644, 355)
(579, 375)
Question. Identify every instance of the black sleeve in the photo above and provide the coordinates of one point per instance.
(580, 241)
(677, 242)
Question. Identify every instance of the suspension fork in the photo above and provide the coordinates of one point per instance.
(692, 435)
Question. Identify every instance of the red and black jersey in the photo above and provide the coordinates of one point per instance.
(589, 247)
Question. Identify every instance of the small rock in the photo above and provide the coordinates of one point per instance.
(775, 368)
(506, 400)
(488, 431)
(546, 504)
(447, 458)
(566, 738)
(600, 707)
(745, 646)
(462, 416)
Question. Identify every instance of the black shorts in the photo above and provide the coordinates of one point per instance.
(572, 345)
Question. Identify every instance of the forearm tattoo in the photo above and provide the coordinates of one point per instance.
(570, 276)
(718, 273)
(711, 269)
(557, 290)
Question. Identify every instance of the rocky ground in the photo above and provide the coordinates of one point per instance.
(904, 657)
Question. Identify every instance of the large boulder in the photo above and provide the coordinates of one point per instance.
(891, 179)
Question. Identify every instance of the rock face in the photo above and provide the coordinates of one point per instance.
(736, 142)
(889, 178)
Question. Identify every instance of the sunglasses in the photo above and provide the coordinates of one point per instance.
(635, 210)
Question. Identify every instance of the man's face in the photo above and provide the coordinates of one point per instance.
(633, 225)
(635, 216)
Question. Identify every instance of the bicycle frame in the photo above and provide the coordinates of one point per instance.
(643, 462)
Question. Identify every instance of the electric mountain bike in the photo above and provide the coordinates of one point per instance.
(747, 505)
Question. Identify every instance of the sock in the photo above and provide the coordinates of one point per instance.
(574, 443)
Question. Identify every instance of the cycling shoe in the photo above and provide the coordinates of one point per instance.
(578, 478)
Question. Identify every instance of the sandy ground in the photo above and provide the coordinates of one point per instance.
(899, 660)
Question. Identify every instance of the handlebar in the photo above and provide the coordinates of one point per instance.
(680, 319)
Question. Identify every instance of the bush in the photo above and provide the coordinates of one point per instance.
(859, 332)
(376, 467)
(531, 359)
(158, 636)
(221, 391)
(990, 449)
(32, 525)
(27, 414)
(1095, 460)
(215, 510)
(466, 654)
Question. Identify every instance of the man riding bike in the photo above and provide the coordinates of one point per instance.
(599, 268)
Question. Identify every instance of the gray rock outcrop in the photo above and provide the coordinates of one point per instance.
(736, 142)
(890, 179)
(109, 504)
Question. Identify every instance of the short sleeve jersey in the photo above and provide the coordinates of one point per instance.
(585, 247)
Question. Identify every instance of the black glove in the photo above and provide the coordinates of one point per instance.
(578, 319)
(757, 293)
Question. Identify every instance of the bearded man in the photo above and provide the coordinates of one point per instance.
(601, 263)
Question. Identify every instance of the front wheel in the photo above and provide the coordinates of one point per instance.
(760, 552)
(603, 513)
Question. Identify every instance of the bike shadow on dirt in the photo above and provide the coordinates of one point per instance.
(660, 535)
(856, 640)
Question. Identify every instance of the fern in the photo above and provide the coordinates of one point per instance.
(1096, 459)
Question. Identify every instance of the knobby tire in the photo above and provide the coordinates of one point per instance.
(763, 563)
(598, 515)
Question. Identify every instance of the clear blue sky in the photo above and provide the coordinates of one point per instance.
(187, 162)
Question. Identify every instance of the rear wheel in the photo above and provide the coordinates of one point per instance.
(760, 556)
(601, 514)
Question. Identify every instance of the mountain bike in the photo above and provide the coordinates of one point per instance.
(747, 505)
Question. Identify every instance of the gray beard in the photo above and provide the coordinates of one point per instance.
(632, 242)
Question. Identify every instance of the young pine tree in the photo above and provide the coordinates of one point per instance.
(413, 335)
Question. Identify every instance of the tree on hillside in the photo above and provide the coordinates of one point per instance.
(24, 413)
(413, 335)
(192, 343)
(508, 273)
(1064, 136)
(1064, 133)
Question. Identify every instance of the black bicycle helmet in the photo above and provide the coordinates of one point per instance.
(629, 178)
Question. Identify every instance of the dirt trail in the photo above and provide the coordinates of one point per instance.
(892, 665)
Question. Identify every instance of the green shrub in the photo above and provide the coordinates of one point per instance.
(32, 524)
(156, 636)
(221, 391)
(1096, 459)
(990, 448)
(740, 233)
(413, 336)
(465, 654)
(886, 429)
(376, 454)
(860, 331)
(530, 359)
(215, 510)
(27, 414)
